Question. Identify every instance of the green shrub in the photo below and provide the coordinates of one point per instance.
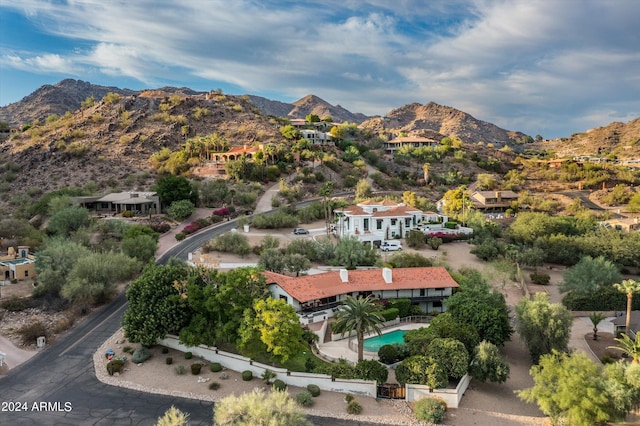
(127, 213)
(314, 390)
(348, 398)
(140, 355)
(165, 350)
(430, 410)
(230, 242)
(390, 314)
(215, 367)
(127, 349)
(180, 370)
(539, 278)
(304, 398)
(247, 375)
(370, 369)
(388, 354)
(195, 368)
(114, 366)
(214, 385)
(188, 355)
(354, 407)
(180, 236)
(607, 359)
(279, 385)
(169, 360)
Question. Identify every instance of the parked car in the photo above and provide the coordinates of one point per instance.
(391, 246)
(300, 231)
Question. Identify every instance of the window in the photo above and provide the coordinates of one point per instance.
(366, 224)
(407, 222)
(379, 224)
(394, 222)
(26, 273)
(423, 292)
(285, 298)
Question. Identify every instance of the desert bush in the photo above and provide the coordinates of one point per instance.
(195, 368)
(215, 367)
(180, 369)
(15, 304)
(224, 375)
(354, 407)
(430, 410)
(188, 355)
(314, 390)
(127, 349)
(348, 398)
(279, 385)
(165, 350)
(180, 236)
(30, 332)
(140, 355)
(127, 213)
(169, 360)
(230, 242)
(247, 375)
(214, 386)
(114, 366)
(539, 278)
(304, 398)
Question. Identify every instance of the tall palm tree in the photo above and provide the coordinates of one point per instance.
(629, 346)
(595, 318)
(360, 315)
(629, 287)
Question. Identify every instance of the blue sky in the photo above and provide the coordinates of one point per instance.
(549, 67)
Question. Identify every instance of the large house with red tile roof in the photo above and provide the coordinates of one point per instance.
(426, 287)
(214, 167)
(378, 221)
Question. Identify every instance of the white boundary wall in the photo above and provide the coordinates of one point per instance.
(239, 363)
(451, 396)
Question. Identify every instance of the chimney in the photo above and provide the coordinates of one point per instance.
(386, 274)
(344, 275)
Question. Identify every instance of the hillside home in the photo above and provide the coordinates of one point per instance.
(301, 123)
(622, 224)
(378, 221)
(493, 200)
(426, 287)
(620, 324)
(414, 141)
(17, 265)
(141, 203)
(316, 137)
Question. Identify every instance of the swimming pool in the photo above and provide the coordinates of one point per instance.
(372, 344)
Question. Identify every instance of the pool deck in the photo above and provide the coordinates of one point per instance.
(340, 348)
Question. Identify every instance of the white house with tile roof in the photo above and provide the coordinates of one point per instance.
(378, 221)
(426, 287)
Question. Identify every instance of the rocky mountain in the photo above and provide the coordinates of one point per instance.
(438, 121)
(310, 104)
(59, 98)
(617, 139)
(111, 143)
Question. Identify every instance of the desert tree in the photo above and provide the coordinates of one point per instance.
(275, 408)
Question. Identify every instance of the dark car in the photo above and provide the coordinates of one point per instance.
(300, 231)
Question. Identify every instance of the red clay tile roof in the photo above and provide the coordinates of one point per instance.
(314, 287)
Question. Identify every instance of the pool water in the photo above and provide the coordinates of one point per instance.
(372, 344)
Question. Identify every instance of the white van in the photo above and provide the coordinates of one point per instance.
(391, 246)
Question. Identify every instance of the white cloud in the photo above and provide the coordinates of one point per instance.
(519, 64)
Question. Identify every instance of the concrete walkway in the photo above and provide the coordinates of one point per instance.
(14, 356)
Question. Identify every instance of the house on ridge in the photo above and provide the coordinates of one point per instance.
(426, 287)
(493, 200)
(390, 147)
(139, 202)
(378, 221)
